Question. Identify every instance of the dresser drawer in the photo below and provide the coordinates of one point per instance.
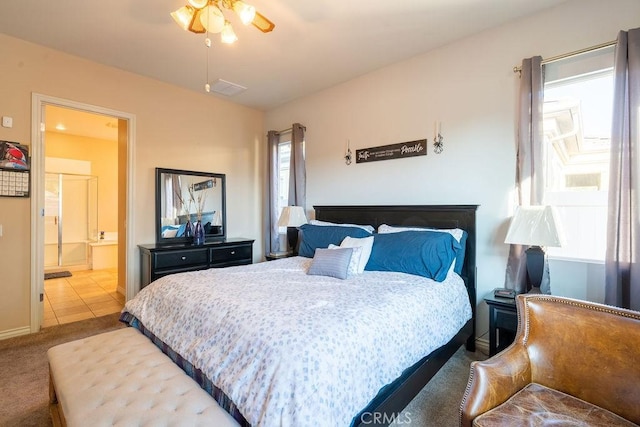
(181, 258)
(158, 260)
(231, 254)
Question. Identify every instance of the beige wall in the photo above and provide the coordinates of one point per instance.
(175, 128)
(470, 87)
(103, 156)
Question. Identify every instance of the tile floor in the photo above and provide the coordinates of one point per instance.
(84, 295)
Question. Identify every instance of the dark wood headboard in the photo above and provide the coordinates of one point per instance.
(434, 216)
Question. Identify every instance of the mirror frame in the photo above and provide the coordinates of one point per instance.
(185, 240)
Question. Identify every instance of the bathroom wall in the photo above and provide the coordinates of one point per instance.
(103, 156)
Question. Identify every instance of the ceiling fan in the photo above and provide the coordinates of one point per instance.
(199, 16)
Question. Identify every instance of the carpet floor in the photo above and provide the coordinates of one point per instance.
(24, 379)
(24, 371)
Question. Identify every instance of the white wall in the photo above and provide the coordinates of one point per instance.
(470, 87)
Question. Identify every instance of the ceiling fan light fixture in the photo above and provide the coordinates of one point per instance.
(183, 16)
(189, 19)
(198, 4)
(227, 35)
(212, 19)
(245, 11)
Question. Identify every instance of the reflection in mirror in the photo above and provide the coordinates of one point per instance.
(184, 197)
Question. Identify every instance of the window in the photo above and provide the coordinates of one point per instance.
(284, 160)
(578, 108)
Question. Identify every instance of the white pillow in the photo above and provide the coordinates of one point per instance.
(354, 264)
(368, 228)
(170, 232)
(455, 232)
(366, 243)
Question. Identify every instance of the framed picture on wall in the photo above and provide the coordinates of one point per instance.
(14, 169)
(14, 156)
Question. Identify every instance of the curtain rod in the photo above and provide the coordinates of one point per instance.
(517, 69)
(288, 130)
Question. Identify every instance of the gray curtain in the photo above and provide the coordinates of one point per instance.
(272, 242)
(622, 266)
(529, 165)
(297, 182)
(297, 168)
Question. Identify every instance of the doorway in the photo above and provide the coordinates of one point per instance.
(67, 231)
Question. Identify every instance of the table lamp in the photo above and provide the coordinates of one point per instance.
(292, 217)
(534, 226)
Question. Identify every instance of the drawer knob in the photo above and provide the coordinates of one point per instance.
(183, 257)
(233, 252)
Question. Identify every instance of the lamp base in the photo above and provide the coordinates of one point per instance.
(535, 268)
(292, 239)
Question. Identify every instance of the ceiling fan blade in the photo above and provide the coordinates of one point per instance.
(262, 23)
(196, 25)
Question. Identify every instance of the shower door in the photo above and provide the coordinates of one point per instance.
(70, 219)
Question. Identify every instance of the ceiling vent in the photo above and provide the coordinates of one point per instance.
(226, 88)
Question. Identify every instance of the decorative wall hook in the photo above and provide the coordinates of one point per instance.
(347, 156)
(438, 146)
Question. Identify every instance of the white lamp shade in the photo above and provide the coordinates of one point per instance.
(212, 19)
(534, 226)
(246, 12)
(292, 216)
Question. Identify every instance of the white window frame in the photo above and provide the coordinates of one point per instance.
(583, 213)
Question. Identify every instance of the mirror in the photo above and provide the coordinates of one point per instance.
(183, 196)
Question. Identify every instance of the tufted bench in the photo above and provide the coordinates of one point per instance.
(121, 378)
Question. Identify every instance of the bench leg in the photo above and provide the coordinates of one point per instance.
(57, 416)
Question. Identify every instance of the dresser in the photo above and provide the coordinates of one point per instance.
(159, 260)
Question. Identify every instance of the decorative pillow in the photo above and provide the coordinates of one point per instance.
(368, 228)
(459, 234)
(424, 253)
(316, 236)
(354, 264)
(366, 243)
(331, 262)
(168, 231)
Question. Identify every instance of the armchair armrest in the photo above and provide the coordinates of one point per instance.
(494, 381)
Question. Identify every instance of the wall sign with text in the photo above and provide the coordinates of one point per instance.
(393, 151)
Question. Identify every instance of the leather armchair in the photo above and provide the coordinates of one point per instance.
(564, 349)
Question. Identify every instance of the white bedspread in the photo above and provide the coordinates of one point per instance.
(296, 350)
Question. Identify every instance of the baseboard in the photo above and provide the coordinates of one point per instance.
(10, 333)
(482, 345)
(121, 291)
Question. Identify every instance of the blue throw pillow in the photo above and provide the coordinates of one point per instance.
(320, 236)
(424, 253)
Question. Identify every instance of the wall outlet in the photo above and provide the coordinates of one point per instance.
(7, 122)
(0, 230)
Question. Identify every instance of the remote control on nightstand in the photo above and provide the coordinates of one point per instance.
(504, 293)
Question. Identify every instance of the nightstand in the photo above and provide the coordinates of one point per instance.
(503, 322)
(277, 255)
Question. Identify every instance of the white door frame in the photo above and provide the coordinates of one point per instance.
(38, 102)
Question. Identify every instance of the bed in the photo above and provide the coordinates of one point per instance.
(286, 357)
